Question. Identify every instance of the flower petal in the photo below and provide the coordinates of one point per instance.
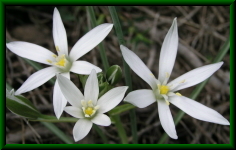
(59, 34)
(91, 89)
(31, 51)
(84, 67)
(59, 101)
(138, 66)
(74, 111)
(166, 119)
(168, 52)
(111, 99)
(70, 91)
(37, 79)
(195, 76)
(101, 119)
(81, 129)
(90, 40)
(141, 98)
(197, 110)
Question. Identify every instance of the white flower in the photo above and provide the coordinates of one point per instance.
(163, 92)
(88, 108)
(62, 62)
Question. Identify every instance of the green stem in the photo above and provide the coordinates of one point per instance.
(128, 80)
(58, 132)
(120, 129)
(46, 118)
(101, 46)
(99, 131)
(198, 89)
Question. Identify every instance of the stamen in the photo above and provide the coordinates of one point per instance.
(173, 86)
(178, 94)
(97, 107)
(83, 103)
(55, 56)
(182, 81)
(49, 61)
(167, 75)
(166, 99)
(57, 49)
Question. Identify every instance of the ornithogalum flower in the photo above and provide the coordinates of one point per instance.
(88, 108)
(62, 62)
(164, 93)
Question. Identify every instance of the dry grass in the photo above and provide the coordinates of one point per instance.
(202, 31)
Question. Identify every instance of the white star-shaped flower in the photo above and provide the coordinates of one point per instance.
(63, 62)
(164, 93)
(88, 108)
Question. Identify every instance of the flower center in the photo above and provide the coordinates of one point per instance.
(164, 89)
(61, 62)
(88, 108)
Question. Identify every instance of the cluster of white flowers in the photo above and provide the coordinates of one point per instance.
(88, 108)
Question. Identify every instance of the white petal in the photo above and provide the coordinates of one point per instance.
(83, 67)
(59, 33)
(138, 66)
(70, 91)
(141, 98)
(168, 52)
(90, 40)
(91, 89)
(74, 111)
(166, 119)
(195, 76)
(81, 129)
(37, 79)
(101, 119)
(197, 110)
(31, 51)
(111, 99)
(59, 101)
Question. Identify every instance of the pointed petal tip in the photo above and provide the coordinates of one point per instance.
(174, 137)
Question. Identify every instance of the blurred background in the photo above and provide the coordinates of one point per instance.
(202, 32)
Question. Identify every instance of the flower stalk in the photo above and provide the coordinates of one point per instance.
(128, 80)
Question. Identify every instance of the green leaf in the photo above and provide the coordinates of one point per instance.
(114, 74)
(103, 88)
(21, 106)
(83, 79)
(119, 109)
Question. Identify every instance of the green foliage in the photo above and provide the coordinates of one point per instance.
(114, 74)
(21, 106)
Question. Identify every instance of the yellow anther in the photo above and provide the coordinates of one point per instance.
(57, 48)
(182, 81)
(164, 89)
(49, 61)
(55, 56)
(151, 74)
(167, 103)
(167, 75)
(178, 94)
(89, 111)
(61, 61)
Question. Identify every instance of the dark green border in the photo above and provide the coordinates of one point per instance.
(118, 2)
(115, 2)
